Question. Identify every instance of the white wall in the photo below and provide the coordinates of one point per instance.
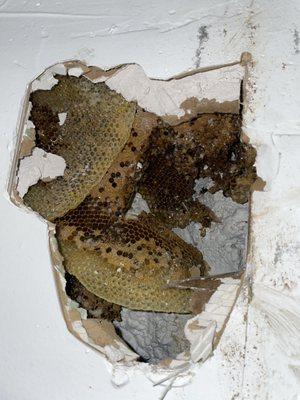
(39, 358)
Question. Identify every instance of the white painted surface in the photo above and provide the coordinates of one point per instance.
(39, 358)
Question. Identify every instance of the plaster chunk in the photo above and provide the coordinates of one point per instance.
(201, 338)
(76, 71)
(62, 118)
(39, 166)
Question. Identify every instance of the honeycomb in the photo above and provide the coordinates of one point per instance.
(112, 195)
(224, 157)
(97, 127)
(206, 146)
(144, 249)
(113, 149)
(143, 289)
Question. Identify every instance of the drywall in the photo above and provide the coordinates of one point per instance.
(39, 358)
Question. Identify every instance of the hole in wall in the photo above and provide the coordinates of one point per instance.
(150, 209)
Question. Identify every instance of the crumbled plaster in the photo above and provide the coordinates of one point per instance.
(39, 165)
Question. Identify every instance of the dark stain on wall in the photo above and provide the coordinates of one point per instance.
(202, 38)
(296, 41)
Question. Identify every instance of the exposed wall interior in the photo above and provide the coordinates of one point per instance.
(138, 210)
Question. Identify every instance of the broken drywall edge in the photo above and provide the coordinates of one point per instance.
(220, 304)
(75, 71)
(106, 75)
(201, 338)
(28, 140)
(183, 96)
(19, 149)
(38, 166)
(205, 329)
(167, 98)
(46, 80)
(97, 74)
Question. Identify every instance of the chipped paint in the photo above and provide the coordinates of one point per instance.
(296, 41)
